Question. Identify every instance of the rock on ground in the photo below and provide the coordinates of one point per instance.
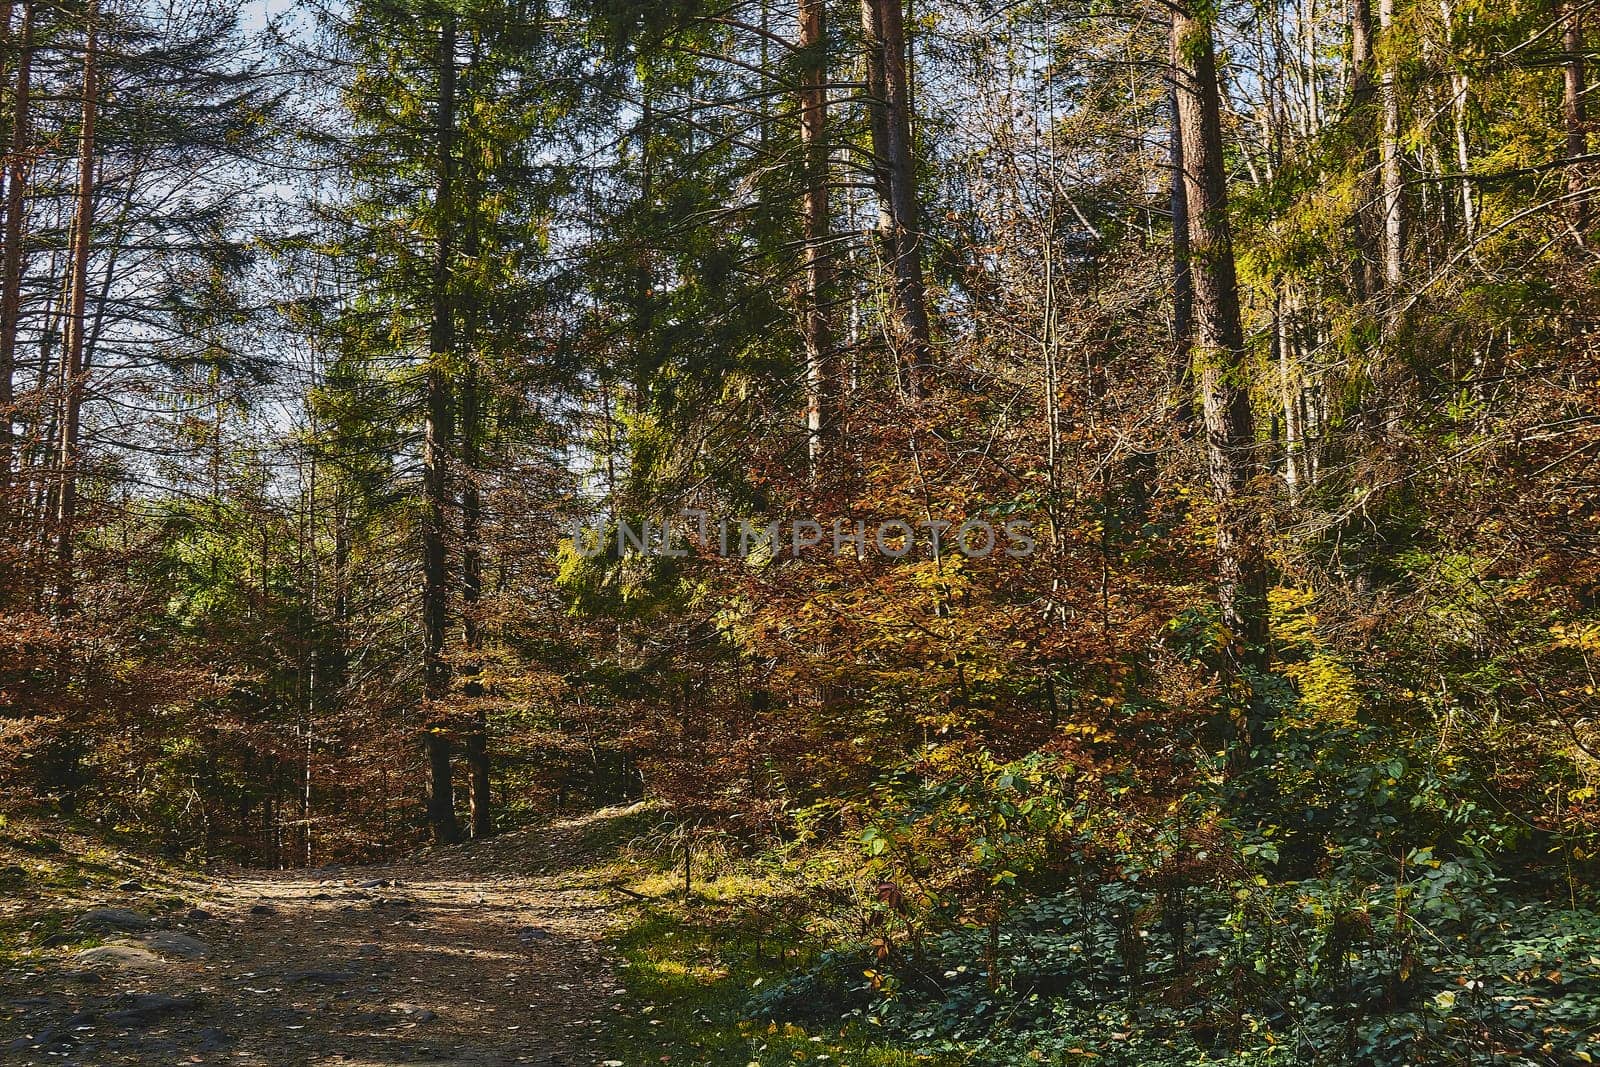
(114, 919)
(118, 955)
(172, 943)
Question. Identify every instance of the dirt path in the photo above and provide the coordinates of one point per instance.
(483, 955)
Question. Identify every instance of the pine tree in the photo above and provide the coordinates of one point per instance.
(448, 117)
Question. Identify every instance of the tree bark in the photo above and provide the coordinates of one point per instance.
(72, 355)
(894, 169)
(1460, 117)
(1394, 221)
(479, 794)
(1290, 391)
(5, 65)
(1182, 277)
(1572, 105)
(1219, 356)
(822, 377)
(435, 460)
(11, 262)
(1361, 62)
(1362, 94)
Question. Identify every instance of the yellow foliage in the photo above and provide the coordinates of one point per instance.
(1328, 692)
(1583, 638)
(1293, 626)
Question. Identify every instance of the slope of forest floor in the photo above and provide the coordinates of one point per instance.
(566, 945)
(491, 954)
(696, 965)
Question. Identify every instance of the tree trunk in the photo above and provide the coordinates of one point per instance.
(72, 355)
(1308, 53)
(1460, 92)
(1364, 221)
(1460, 116)
(37, 474)
(899, 212)
(6, 7)
(12, 260)
(479, 795)
(1182, 277)
(1572, 86)
(435, 459)
(822, 377)
(1361, 62)
(1394, 221)
(1219, 357)
(1289, 394)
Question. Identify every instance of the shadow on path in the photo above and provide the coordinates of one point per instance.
(486, 954)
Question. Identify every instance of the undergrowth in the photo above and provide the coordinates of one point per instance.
(694, 965)
(995, 915)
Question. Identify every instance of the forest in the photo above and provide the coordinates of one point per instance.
(1070, 526)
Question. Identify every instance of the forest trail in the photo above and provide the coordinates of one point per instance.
(483, 954)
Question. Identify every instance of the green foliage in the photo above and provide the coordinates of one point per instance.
(1375, 929)
(687, 976)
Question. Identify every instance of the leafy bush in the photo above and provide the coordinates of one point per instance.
(1026, 913)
